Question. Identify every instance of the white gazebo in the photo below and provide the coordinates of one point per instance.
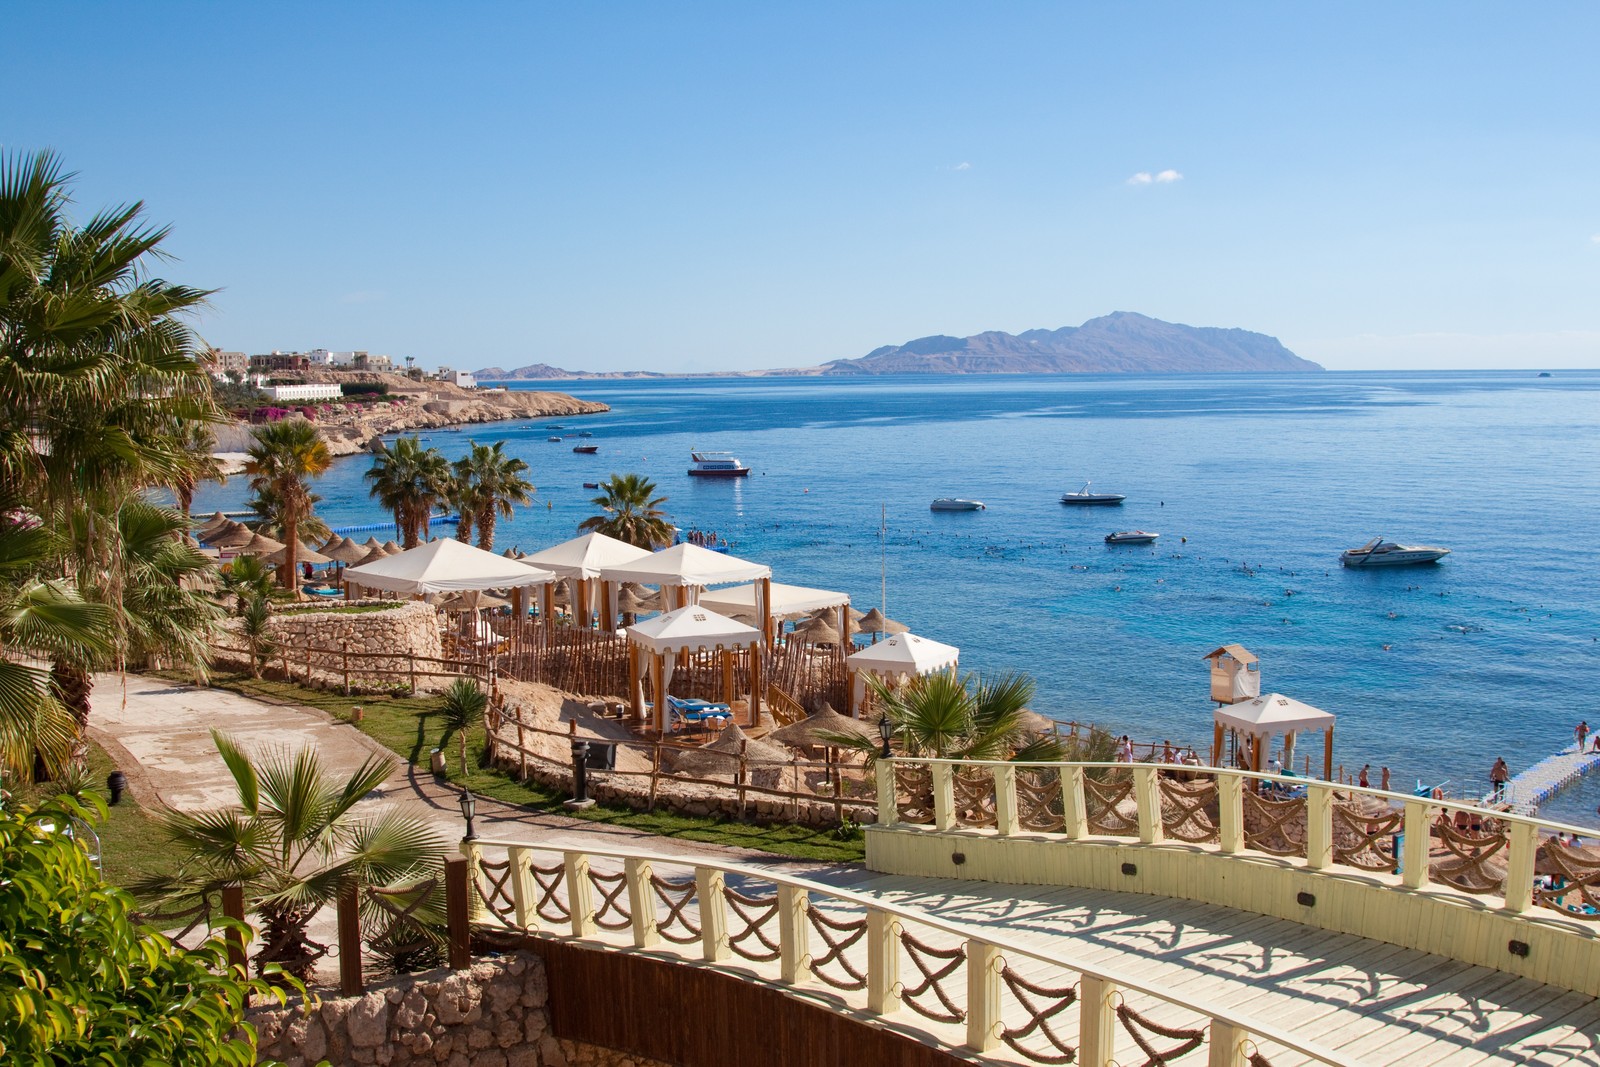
(1263, 717)
(693, 628)
(682, 571)
(895, 660)
(581, 561)
(785, 601)
(446, 566)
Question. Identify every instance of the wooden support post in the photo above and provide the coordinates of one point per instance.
(346, 665)
(580, 894)
(411, 666)
(1230, 814)
(1005, 799)
(883, 962)
(1074, 814)
(983, 995)
(350, 939)
(1147, 795)
(756, 687)
(1419, 838)
(474, 857)
(1227, 1045)
(713, 914)
(1319, 825)
(1519, 865)
(641, 902)
(944, 796)
(457, 886)
(523, 901)
(794, 934)
(1097, 1022)
(888, 806)
(233, 908)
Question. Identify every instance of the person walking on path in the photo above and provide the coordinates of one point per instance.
(1499, 775)
(1364, 782)
(1581, 732)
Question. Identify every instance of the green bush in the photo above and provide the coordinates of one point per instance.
(82, 982)
(364, 388)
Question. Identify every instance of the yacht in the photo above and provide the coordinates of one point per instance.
(950, 503)
(1084, 496)
(717, 465)
(587, 450)
(1132, 537)
(1380, 553)
(557, 440)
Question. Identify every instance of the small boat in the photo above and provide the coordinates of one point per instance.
(585, 433)
(1084, 496)
(950, 503)
(1380, 553)
(587, 450)
(717, 465)
(555, 426)
(1132, 537)
(555, 440)
(591, 485)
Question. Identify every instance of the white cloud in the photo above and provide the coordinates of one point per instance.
(962, 166)
(1169, 176)
(1142, 178)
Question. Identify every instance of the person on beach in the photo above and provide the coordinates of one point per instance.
(1125, 750)
(1581, 732)
(1384, 778)
(1499, 775)
(1364, 782)
(1166, 753)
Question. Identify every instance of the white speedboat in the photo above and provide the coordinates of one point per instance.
(1380, 553)
(1132, 537)
(1084, 496)
(950, 503)
(717, 465)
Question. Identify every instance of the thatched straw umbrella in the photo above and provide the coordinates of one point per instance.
(722, 755)
(473, 600)
(817, 632)
(214, 524)
(230, 536)
(391, 549)
(809, 731)
(874, 622)
(302, 555)
(629, 604)
(372, 542)
(346, 551)
(260, 545)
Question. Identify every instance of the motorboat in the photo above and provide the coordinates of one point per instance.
(585, 433)
(587, 450)
(717, 465)
(1380, 553)
(591, 485)
(1132, 537)
(950, 503)
(555, 440)
(1084, 496)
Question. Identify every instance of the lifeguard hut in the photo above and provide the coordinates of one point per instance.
(1235, 674)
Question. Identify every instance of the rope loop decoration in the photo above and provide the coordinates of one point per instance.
(974, 797)
(1189, 812)
(1362, 841)
(914, 793)
(1571, 873)
(495, 892)
(549, 907)
(1040, 1018)
(754, 913)
(829, 929)
(1464, 868)
(1103, 801)
(400, 906)
(614, 899)
(1277, 827)
(919, 953)
(1039, 802)
(676, 896)
(1140, 1029)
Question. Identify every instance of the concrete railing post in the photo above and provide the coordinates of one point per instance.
(1523, 848)
(944, 796)
(983, 995)
(641, 902)
(1230, 813)
(708, 882)
(1147, 795)
(580, 894)
(883, 962)
(1005, 800)
(523, 902)
(794, 934)
(1097, 1022)
(888, 806)
(1319, 825)
(1074, 815)
(1419, 838)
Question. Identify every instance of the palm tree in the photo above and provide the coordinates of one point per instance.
(632, 514)
(410, 481)
(461, 495)
(199, 440)
(463, 708)
(948, 717)
(293, 842)
(496, 485)
(246, 579)
(255, 626)
(285, 454)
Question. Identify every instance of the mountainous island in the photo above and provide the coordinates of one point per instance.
(1120, 343)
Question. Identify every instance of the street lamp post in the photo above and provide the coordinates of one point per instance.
(469, 808)
(885, 731)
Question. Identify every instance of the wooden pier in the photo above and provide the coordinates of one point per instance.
(1538, 783)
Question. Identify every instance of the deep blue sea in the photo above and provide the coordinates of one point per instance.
(1255, 484)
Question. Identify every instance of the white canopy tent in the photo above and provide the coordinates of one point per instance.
(688, 629)
(688, 569)
(896, 659)
(1263, 717)
(580, 561)
(445, 566)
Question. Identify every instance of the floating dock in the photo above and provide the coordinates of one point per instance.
(449, 520)
(1532, 787)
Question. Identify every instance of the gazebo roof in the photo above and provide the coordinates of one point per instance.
(905, 654)
(586, 556)
(1273, 714)
(445, 566)
(786, 599)
(1238, 652)
(691, 627)
(687, 564)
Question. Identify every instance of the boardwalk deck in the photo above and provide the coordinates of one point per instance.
(1373, 1002)
(1538, 783)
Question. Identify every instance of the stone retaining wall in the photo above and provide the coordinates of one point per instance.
(401, 633)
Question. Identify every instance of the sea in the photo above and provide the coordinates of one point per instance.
(1255, 484)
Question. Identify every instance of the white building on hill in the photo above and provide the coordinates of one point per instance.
(302, 393)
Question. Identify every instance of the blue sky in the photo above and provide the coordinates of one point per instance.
(704, 187)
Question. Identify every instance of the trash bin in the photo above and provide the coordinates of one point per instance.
(436, 761)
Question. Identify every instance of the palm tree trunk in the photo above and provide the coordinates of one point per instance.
(73, 686)
(486, 520)
(291, 535)
(464, 528)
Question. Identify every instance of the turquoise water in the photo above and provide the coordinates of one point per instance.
(1433, 671)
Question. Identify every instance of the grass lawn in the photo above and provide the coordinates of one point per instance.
(408, 726)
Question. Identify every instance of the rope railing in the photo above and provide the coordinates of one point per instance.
(792, 931)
